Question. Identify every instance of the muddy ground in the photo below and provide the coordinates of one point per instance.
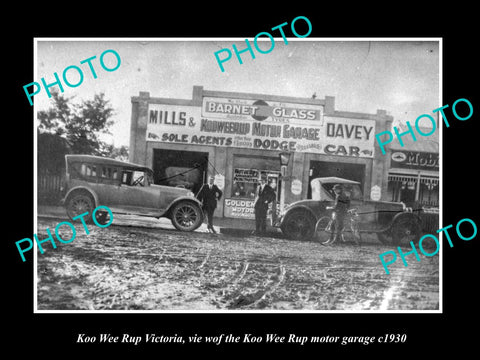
(142, 268)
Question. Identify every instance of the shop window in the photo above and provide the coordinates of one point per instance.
(246, 181)
(429, 194)
(245, 174)
(404, 189)
(394, 190)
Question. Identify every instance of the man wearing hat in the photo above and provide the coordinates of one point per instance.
(265, 195)
(340, 208)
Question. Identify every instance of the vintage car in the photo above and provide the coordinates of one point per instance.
(391, 221)
(125, 188)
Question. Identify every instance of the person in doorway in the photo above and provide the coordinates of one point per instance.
(340, 208)
(209, 194)
(265, 195)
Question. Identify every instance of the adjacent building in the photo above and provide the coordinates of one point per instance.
(413, 177)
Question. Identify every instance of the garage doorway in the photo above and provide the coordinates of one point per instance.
(355, 172)
(177, 168)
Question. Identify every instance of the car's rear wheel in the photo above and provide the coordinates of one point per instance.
(403, 230)
(186, 216)
(78, 204)
(299, 225)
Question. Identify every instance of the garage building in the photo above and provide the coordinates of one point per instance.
(238, 136)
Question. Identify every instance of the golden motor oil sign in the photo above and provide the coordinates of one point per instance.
(261, 125)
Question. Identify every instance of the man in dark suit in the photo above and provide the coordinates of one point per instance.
(265, 195)
(208, 195)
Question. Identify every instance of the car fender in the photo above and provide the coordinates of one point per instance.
(83, 188)
(182, 198)
(300, 207)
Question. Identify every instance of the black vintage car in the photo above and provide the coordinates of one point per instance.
(391, 221)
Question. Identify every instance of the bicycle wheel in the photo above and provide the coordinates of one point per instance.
(323, 229)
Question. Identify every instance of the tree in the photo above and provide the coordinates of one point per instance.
(120, 153)
(79, 124)
(51, 153)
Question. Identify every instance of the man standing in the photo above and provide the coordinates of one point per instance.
(265, 195)
(340, 208)
(208, 195)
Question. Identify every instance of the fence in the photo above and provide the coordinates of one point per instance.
(49, 187)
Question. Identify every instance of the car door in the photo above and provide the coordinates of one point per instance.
(107, 186)
(140, 198)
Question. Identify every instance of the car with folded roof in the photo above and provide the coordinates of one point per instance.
(391, 221)
(125, 188)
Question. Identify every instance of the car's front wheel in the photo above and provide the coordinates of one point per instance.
(186, 216)
(299, 225)
(78, 204)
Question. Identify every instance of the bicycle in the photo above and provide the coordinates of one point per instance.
(324, 232)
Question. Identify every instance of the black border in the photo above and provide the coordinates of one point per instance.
(427, 333)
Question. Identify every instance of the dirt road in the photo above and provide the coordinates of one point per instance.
(139, 268)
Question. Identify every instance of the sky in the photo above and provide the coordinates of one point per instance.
(401, 77)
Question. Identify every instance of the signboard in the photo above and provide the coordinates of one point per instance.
(249, 176)
(219, 180)
(415, 160)
(375, 193)
(260, 110)
(239, 208)
(301, 129)
(296, 187)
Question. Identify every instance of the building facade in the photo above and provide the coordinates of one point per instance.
(236, 137)
(413, 177)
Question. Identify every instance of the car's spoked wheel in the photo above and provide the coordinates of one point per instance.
(79, 204)
(299, 226)
(404, 231)
(187, 216)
